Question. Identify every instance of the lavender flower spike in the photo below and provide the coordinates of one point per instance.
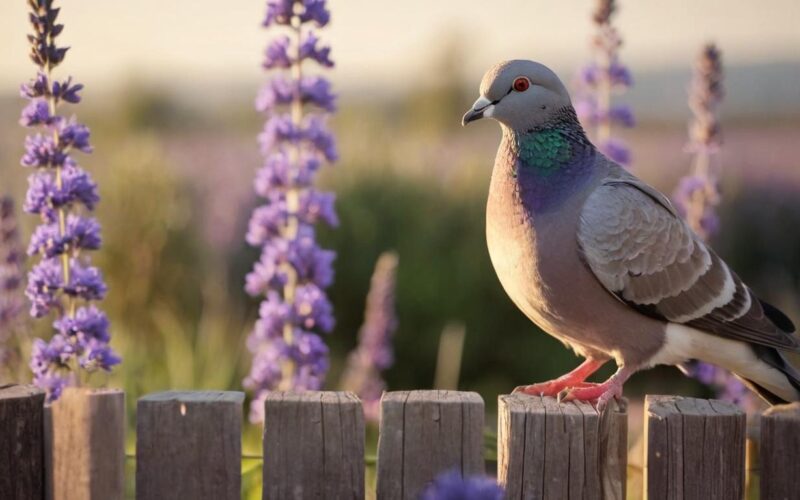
(374, 353)
(63, 284)
(293, 271)
(597, 83)
(698, 195)
(11, 306)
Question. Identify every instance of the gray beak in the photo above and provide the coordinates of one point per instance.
(483, 107)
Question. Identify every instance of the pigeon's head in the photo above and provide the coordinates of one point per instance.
(519, 94)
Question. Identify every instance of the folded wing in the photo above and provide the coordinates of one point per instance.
(645, 254)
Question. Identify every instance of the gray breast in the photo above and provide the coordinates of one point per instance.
(537, 261)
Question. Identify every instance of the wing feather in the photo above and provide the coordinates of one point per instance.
(644, 253)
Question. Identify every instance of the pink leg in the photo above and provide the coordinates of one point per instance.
(611, 388)
(575, 378)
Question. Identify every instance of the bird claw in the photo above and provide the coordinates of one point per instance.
(552, 388)
(598, 395)
(541, 389)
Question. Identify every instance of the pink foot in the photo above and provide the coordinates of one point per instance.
(575, 378)
(601, 393)
(551, 388)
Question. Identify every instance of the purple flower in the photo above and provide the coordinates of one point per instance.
(374, 352)
(312, 90)
(380, 317)
(98, 355)
(616, 150)
(318, 206)
(46, 198)
(61, 91)
(37, 87)
(317, 91)
(615, 74)
(726, 385)
(452, 486)
(279, 12)
(280, 172)
(73, 135)
(49, 364)
(623, 115)
(310, 263)
(279, 129)
(316, 133)
(277, 55)
(66, 91)
(268, 220)
(292, 271)
(310, 50)
(41, 151)
(64, 282)
(273, 314)
(37, 112)
(310, 356)
(597, 82)
(44, 282)
(85, 282)
(81, 233)
(316, 11)
(87, 323)
(312, 308)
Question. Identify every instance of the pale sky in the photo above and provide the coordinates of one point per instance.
(382, 42)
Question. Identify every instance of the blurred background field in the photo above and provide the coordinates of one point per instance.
(175, 152)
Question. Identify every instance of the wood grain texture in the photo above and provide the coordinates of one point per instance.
(424, 433)
(21, 442)
(551, 450)
(694, 449)
(780, 453)
(86, 456)
(188, 445)
(313, 446)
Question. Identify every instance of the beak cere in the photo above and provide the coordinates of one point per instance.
(483, 107)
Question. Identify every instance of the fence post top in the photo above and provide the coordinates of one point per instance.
(527, 403)
(313, 396)
(438, 396)
(195, 397)
(662, 406)
(13, 391)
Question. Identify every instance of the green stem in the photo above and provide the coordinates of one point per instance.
(293, 196)
(62, 213)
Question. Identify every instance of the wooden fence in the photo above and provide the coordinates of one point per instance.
(188, 445)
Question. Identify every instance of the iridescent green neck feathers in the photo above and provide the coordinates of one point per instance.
(545, 151)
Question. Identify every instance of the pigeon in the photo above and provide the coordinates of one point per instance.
(602, 261)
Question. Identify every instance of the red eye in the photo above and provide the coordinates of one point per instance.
(521, 84)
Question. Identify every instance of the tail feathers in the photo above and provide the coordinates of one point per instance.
(789, 392)
(777, 317)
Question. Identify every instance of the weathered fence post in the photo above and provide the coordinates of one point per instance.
(780, 452)
(86, 448)
(551, 450)
(21, 442)
(694, 449)
(313, 446)
(424, 433)
(189, 445)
